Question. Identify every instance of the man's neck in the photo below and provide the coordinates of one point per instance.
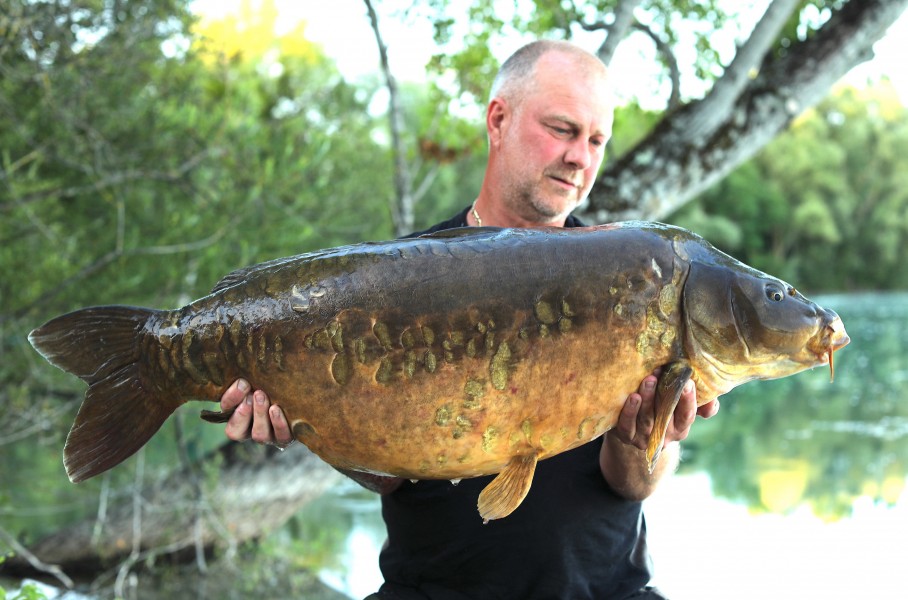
(484, 213)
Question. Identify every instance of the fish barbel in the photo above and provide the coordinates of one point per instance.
(464, 353)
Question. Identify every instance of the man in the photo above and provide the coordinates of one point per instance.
(580, 532)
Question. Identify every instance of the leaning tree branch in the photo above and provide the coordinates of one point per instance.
(672, 164)
(706, 117)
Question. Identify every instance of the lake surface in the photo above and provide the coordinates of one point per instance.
(796, 489)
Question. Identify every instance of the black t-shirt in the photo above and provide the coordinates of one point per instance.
(571, 538)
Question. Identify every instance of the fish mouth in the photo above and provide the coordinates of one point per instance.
(830, 339)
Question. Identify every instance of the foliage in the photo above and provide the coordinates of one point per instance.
(27, 591)
(834, 185)
(143, 155)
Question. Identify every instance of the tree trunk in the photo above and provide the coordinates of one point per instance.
(255, 491)
(690, 149)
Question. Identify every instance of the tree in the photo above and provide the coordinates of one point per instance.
(140, 162)
(793, 55)
(831, 185)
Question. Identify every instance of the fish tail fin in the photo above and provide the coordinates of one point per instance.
(120, 412)
(668, 393)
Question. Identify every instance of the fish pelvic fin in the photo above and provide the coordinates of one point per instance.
(668, 393)
(121, 411)
(505, 493)
(216, 416)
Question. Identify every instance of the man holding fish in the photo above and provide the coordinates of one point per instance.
(580, 531)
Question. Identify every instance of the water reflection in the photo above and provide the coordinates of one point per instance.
(797, 485)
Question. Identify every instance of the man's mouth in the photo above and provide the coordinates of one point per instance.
(565, 181)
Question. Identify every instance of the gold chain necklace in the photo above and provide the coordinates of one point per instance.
(476, 215)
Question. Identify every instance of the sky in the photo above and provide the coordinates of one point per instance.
(342, 29)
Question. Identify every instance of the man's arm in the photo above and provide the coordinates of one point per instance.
(623, 459)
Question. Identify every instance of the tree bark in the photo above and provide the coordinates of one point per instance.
(255, 491)
(689, 150)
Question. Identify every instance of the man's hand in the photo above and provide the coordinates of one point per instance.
(255, 417)
(622, 458)
(635, 423)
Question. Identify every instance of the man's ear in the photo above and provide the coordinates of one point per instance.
(497, 115)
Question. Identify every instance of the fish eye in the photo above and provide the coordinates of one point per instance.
(774, 293)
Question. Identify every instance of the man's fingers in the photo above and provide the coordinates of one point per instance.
(282, 433)
(684, 415)
(646, 414)
(234, 395)
(626, 427)
(237, 428)
(709, 409)
(261, 424)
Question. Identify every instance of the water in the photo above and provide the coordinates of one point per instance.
(795, 490)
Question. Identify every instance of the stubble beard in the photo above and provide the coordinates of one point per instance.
(532, 204)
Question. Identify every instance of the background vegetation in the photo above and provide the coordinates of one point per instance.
(145, 154)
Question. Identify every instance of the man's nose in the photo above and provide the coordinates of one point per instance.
(578, 154)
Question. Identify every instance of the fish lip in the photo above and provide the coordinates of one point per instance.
(831, 338)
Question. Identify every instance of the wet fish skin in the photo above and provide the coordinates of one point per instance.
(469, 352)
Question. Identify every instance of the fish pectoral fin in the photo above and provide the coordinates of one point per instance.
(216, 416)
(505, 493)
(668, 393)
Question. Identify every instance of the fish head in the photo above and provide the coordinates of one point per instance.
(742, 324)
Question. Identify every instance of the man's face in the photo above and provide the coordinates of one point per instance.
(552, 145)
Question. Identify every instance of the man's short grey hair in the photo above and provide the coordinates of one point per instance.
(517, 70)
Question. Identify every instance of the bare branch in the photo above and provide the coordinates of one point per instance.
(34, 561)
(402, 211)
(663, 48)
(708, 116)
(109, 181)
(617, 30)
(110, 257)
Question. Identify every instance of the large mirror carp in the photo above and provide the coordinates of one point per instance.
(468, 352)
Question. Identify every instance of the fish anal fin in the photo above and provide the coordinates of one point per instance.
(668, 393)
(505, 493)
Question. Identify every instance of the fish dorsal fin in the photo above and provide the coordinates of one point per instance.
(668, 393)
(460, 232)
(231, 279)
(241, 275)
(505, 493)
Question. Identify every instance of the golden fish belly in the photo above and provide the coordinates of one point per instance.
(466, 411)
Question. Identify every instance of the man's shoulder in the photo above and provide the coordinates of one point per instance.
(458, 220)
